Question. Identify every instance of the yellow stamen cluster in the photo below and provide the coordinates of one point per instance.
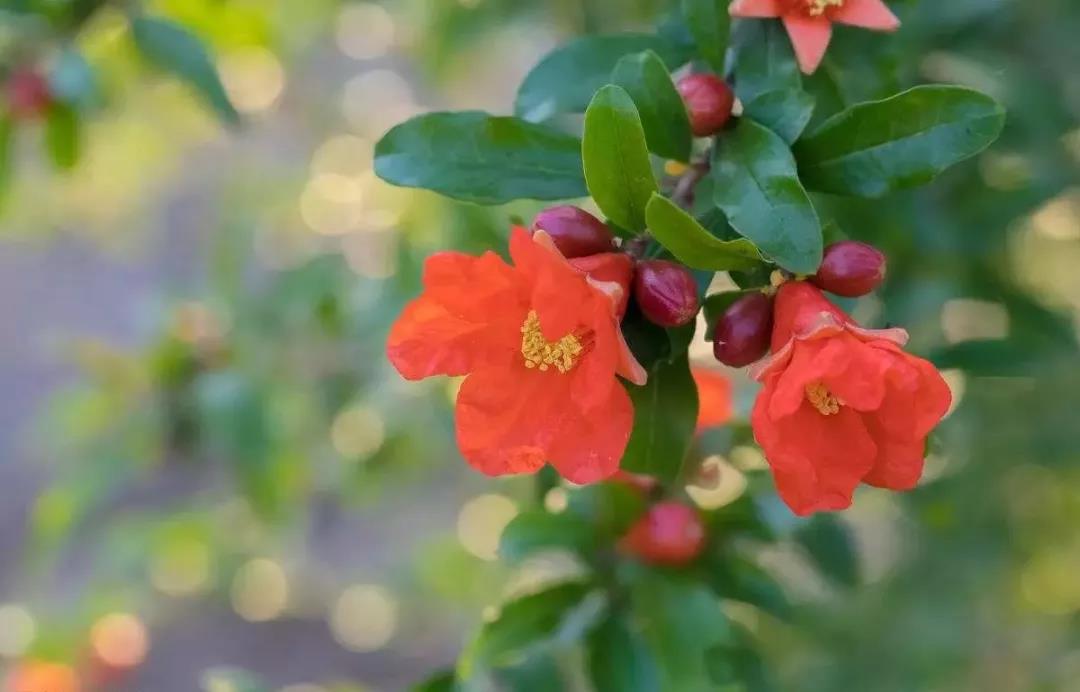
(821, 399)
(818, 7)
(542, 354)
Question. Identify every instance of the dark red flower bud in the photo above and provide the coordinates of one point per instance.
(743, 331)
(666, 293)
(610, 267)
(669, 534)
(850, 269)
(708, 100)
(576, 232)
(27, 95)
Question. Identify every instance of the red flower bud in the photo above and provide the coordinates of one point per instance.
(669, 534)
(708, 100)
(576, 232)
(850, 269)
(666, 293)
(743, 332)
(27, 95)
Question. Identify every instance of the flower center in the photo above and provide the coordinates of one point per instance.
(542, 354)
(816, 8)
(821, 399)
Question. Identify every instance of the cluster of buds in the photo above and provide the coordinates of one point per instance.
(743, 333)
(665, 292)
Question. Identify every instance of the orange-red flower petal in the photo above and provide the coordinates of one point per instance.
(715, 407)
(541, 346)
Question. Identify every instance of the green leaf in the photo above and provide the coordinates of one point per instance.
(523, 624)
(610, 508)
(174, 49)
(786, 112)
(566, 79)
(758, 188)
(764, 60)
(62, 136)
(71, 79)
(665, 414)
(682, 621)
(663, 115)
(875, 148)
(710, 23)
(619, 660)
(831, 545)
(691, 244)
(617, 166)
(539, 530)
(476, 157)
(737, 579)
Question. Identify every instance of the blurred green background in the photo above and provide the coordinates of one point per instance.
(207, 466)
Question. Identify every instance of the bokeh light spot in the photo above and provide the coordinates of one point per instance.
(364, 30)
(364, 618)
(17, 630)
(556, 500)
(253, 78)
(120, 640)
(357, 432)
(481, 522)
(260, 590)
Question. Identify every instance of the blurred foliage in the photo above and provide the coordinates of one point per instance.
(258, 396)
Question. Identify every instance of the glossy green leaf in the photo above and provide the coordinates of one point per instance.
(522, 624)
(875, 148)
(618, 659)
(617, 166)
(710, 23)
(566, 79)
(786, 112)
(609, 508)
(682, 622)
(663, 115)
(737, 579)
(758, 188)
(476, 157)
(764, 60)
(665, 413)
(536, 530)
(691, 244)
(174, 49)
(62, 136)
(830, 544)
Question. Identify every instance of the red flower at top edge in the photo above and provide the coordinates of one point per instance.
(540, 344)
(841, 405)
(809, 22)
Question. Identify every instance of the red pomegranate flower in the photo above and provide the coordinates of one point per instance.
(714, 398)
(841, 405)
(809, 22)
(541, 345)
